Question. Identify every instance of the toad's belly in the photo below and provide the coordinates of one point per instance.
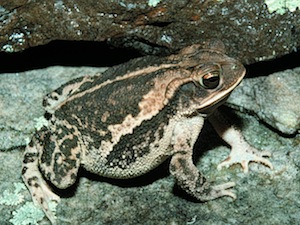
(125, 168)
(132, 156)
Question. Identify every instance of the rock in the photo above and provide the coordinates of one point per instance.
(252, 30)
(275, 99)
(264, 195)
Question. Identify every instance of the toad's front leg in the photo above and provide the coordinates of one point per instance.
(185, 172)
(241, 152)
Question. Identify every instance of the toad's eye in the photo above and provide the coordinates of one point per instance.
(208, 76)
(210, 80)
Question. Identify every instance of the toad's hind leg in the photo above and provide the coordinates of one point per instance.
(60, 158)
(54, 156)
(41, 193)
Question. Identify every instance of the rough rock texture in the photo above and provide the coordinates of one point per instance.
(249, 30)
(275, 99)
(264, 196)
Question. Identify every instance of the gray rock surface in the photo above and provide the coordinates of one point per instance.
(275, 99)
(264, 196)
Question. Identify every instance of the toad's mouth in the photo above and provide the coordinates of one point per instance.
(212, 107)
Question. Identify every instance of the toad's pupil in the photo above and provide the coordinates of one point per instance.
(211, 80)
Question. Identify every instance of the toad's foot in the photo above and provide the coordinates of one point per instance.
(221, 190)
(244, 154)
(44, 196)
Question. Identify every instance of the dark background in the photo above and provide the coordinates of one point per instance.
(100, 54)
